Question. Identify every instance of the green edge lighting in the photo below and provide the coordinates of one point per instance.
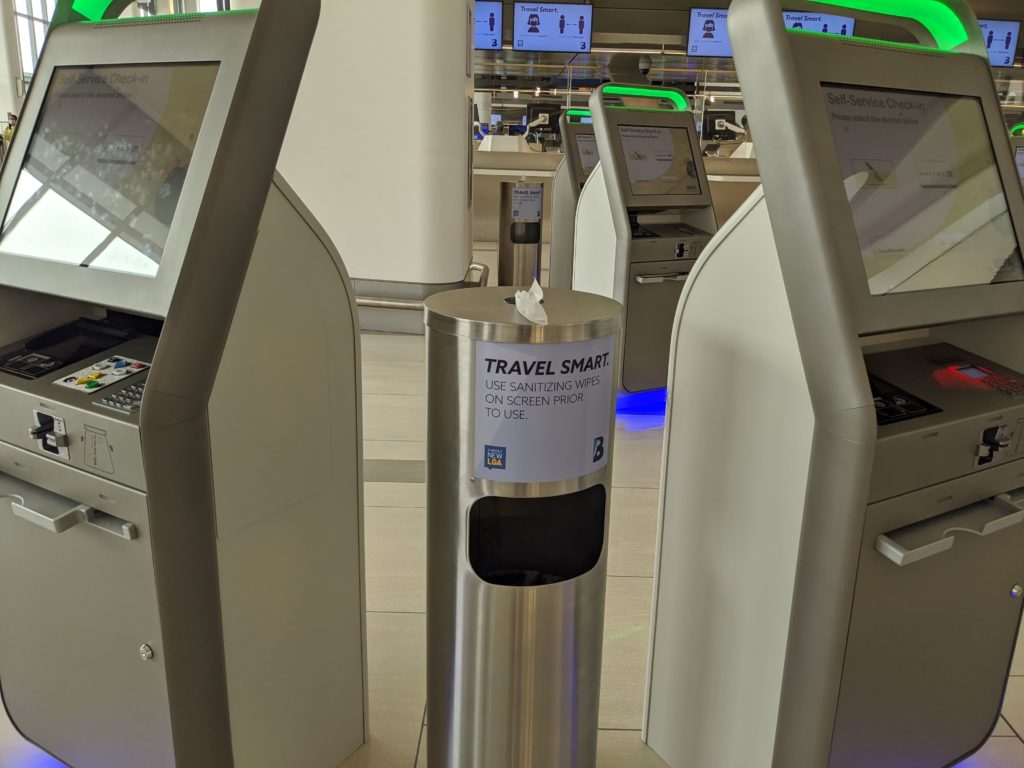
(677, 99)
(579, 114)
(93, 10)
(934, 15)
(1017, 130)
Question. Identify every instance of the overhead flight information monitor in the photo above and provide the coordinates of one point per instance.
(1001, 40)
(710, 37)
(926, 194)
(659, 160)
(488, 18)
(108, 159)
(556, 27)
(709, 34)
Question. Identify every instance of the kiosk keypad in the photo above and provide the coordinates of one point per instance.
(127, 400)
(1006, 385)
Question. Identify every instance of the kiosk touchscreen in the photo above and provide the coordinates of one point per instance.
(179, 432)
(581, 157)
(644, 217)
(839, 562)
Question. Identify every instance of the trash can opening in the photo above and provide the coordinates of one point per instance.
(533, 542)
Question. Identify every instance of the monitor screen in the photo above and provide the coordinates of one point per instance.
(558, 27)
(709, 34)
(487, 24)
(825, 23)
(106, 164)
(1019, 157)
(924, 188)
(659, 160)
(586, 145)
(1000, 40)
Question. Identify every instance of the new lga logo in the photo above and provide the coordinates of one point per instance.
(495, 457)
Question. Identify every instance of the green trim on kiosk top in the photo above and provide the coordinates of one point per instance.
(1017, 130)
(677, 99)
(939, 19)
(93, 10)
(578, 112)
(99, 11)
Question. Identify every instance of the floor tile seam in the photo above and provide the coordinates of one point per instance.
(1016, 733)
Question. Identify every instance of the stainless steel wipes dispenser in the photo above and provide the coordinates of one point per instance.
(519, 447)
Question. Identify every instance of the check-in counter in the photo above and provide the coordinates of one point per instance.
(732, 181)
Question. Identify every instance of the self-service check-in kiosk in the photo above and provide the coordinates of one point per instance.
(1017, 144)
(839, 561)
(180, 567)
(580, 148)
(644, 217)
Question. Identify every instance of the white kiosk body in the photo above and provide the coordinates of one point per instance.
(180, 491)
(839, 561)
(579, 145)
(644, 216)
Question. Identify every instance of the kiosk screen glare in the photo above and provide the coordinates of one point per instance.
(1000, 40)
(659, 160)
(1018, 156)
(106, 165)
(926, 194)
(559, 27)
(586, 144)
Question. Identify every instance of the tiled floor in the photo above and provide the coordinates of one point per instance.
(395, 435)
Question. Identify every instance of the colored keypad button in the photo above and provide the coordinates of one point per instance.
(93, 385)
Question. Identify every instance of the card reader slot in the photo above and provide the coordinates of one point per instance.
(936, 535)
(677, 277)
(56, 513)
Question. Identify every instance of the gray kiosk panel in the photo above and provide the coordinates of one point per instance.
(581, 158)
(873, 379)
(644, 217)
(170, 544)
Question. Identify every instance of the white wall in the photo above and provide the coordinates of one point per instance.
(391, 188)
